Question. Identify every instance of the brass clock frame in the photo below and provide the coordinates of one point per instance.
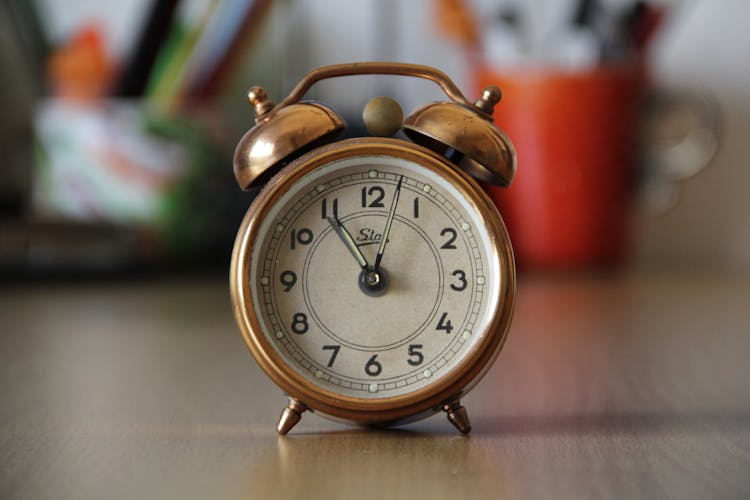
(304, 395)
(285, 129)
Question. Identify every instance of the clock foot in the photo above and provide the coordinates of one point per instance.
(290, 416)
(458, 417)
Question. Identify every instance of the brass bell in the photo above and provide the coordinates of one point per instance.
(280, 135)
(487, 153)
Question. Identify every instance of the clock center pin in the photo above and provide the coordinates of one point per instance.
(373, 283)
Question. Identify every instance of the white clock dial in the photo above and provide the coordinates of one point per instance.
(439, 285)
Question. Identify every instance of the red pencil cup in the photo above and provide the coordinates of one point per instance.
(575, 136)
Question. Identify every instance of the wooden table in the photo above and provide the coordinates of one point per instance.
(632, 386)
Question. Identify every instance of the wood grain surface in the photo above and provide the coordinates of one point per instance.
(628, 386)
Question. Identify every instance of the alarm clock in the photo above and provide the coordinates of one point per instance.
(372, 278)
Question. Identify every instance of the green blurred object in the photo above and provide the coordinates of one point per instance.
(200, 208)
(129, 168)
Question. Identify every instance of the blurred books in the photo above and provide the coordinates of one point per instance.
(128, 162)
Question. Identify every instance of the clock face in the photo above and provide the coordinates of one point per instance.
(356, 331)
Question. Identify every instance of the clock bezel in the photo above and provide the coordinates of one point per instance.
(460, 379)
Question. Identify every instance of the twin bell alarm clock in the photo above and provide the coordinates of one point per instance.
(372, 278)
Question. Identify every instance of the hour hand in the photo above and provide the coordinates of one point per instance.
(348, 241)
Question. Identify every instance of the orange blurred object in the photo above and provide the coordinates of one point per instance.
(575, 136)
(456, 21)
(81, 69)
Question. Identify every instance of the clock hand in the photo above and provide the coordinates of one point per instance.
(348, 241)
(388, 222)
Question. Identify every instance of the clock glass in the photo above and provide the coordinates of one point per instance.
(374, 276)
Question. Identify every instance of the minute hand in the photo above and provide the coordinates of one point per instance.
(387, 230)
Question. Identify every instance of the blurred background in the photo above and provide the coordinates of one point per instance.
(120, 118)
(625, 371)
